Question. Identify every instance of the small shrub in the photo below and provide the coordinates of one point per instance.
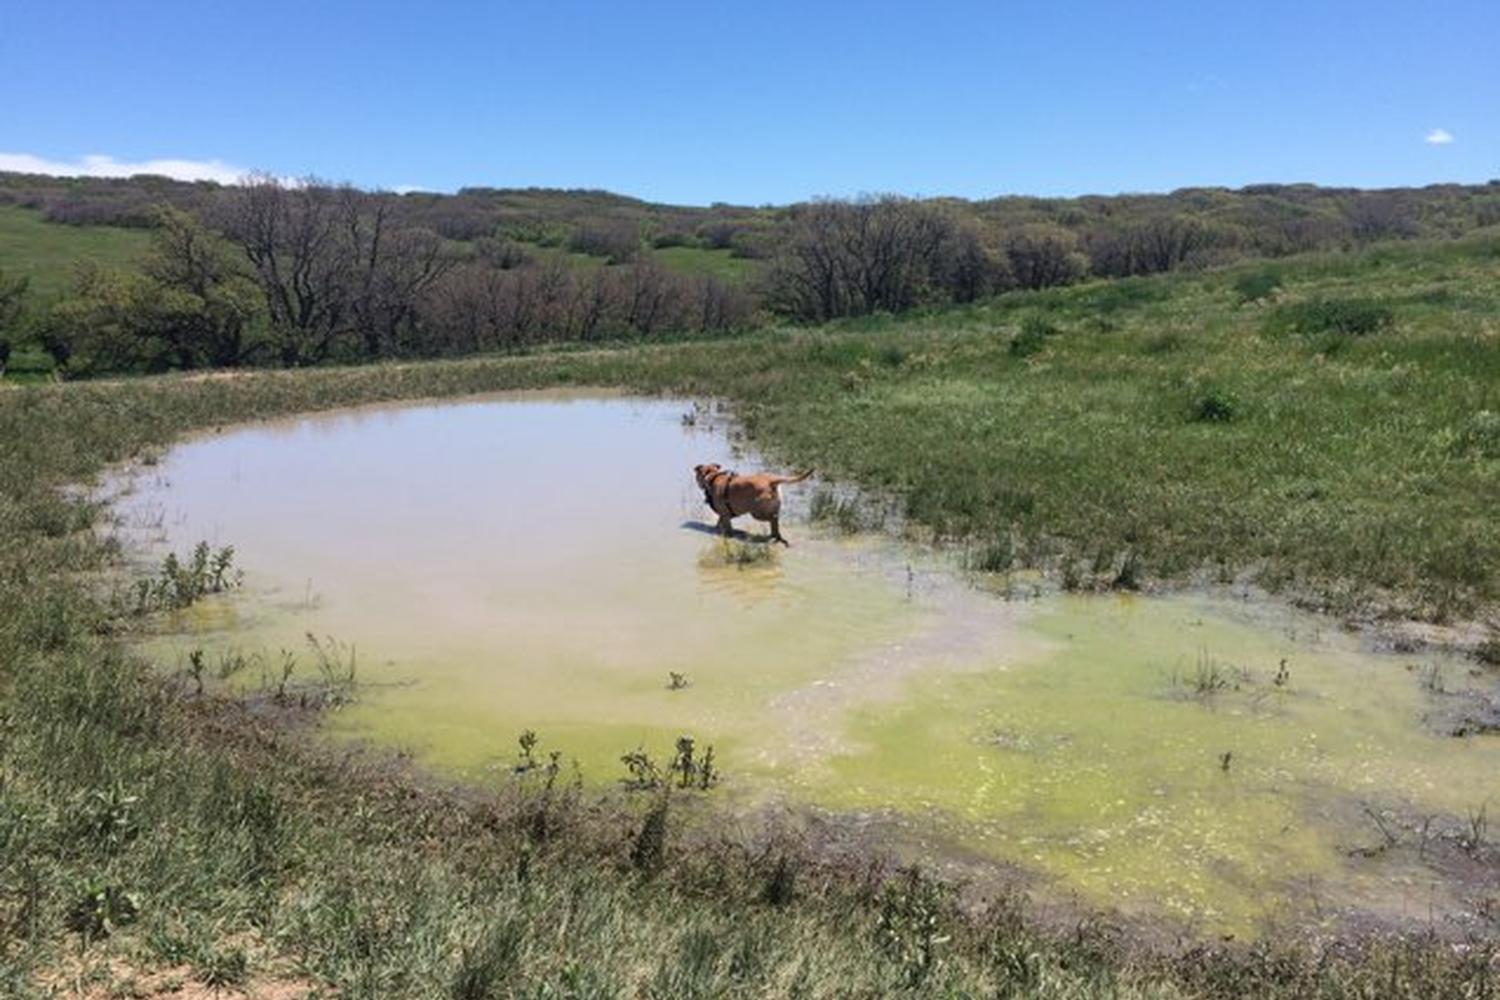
(1256, 285)
(226, 968)
(1344, 317)
(644, 774)
(99, 909)
(179, 583)
(1032, 337)
(1025, 344)
(1216, 406)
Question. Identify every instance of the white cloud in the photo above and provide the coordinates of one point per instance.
(1438, 137)
(97, 165)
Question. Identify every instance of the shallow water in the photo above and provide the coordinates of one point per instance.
(541, 561)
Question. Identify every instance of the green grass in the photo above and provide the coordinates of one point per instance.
(47, 253)
(203, 834)
(721, 264)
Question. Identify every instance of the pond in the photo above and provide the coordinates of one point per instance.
(544, 561)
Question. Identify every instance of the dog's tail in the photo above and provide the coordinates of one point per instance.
(793, 479)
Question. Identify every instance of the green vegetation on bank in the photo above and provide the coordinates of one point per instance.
(1331, 431)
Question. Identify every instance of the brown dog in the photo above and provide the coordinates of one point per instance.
(730, 494)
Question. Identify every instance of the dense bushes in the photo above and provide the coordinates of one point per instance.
(1040, 256)
(887, 254)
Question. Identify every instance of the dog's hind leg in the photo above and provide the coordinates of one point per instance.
(776, 531)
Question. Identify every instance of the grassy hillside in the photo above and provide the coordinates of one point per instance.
(1328, 426)
(47, 253)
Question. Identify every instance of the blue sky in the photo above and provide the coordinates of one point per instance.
(759, 102)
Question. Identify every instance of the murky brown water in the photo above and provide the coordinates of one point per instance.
(542, 562)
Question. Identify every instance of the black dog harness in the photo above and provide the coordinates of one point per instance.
(708, 491)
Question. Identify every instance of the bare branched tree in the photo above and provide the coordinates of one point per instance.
(334, 268)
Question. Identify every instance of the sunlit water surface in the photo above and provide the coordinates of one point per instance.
(541, 561)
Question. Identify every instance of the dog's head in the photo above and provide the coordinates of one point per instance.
(703, 473)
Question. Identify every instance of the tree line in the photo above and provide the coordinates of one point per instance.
(276, 273)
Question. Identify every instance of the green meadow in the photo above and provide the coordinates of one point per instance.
(1327, 427)
(47, 254)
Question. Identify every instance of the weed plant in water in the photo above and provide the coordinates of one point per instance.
(732, 552)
